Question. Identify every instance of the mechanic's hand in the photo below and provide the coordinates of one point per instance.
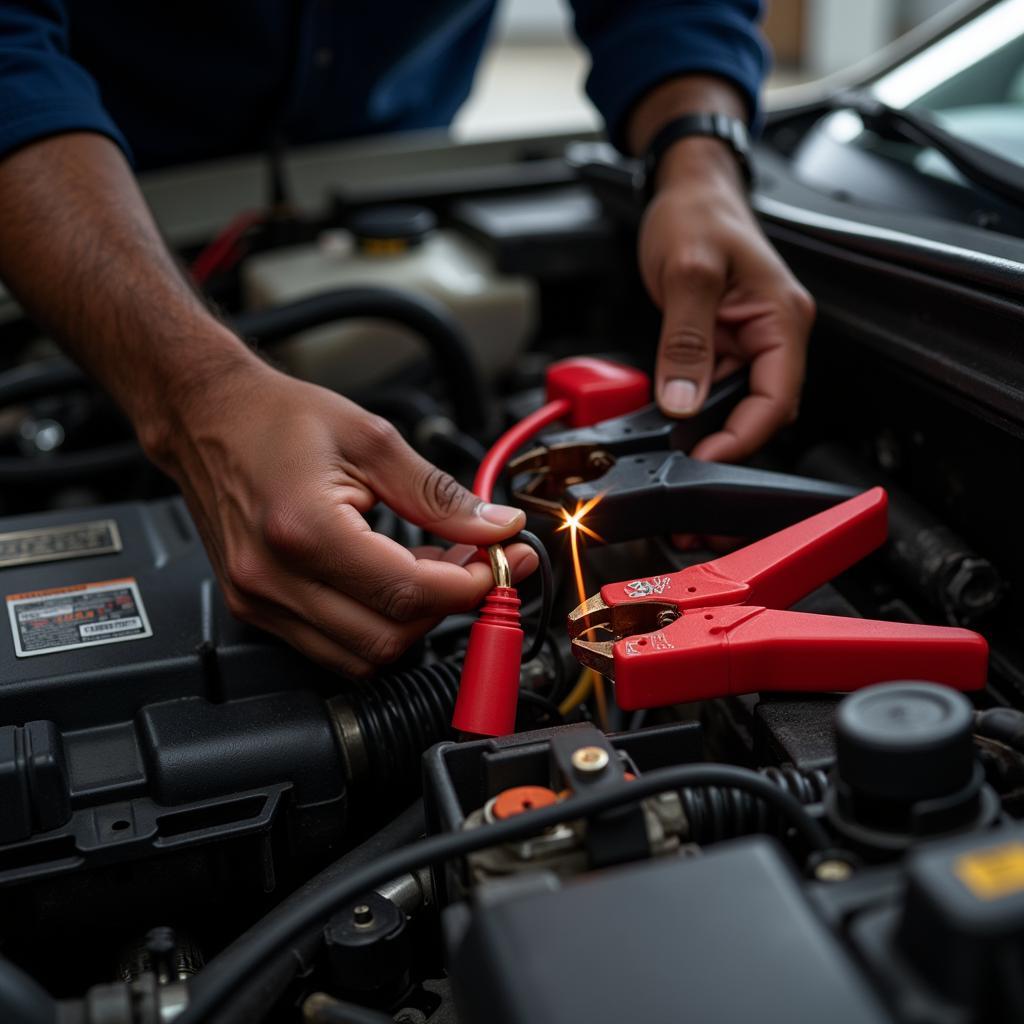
(726, 296)
(278, 474)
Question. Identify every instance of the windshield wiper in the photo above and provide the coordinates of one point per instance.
(979, 165)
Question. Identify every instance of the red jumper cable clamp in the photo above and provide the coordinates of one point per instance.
(582, 391)
(714, 630)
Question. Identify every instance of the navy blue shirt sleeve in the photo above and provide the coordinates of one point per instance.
(42, 90)
(636, 45)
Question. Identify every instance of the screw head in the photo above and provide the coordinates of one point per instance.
(362, 914)
(590, 759)
(833, 870)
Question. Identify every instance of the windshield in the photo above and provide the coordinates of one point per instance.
(971, 81)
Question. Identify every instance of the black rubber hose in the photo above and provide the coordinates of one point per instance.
(22, 999)
(406, 406)
(715, 813)
(266, 939)
(453, 357)
(400, 716)
(39, 379)
(54, 376)
(65, 467)
(252, 1004)
(467, 448)
(429, 319)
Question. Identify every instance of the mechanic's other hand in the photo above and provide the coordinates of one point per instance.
(278, 475)
(726, 296)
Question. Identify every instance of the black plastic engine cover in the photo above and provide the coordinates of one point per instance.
(197, 649)
(721, 938)
(118, 750)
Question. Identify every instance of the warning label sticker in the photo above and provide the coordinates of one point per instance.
(993, 873)
(83, 615)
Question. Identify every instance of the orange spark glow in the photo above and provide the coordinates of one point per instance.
(573, 522)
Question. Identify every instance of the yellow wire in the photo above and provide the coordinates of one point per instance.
(580, 692)
(588, 682)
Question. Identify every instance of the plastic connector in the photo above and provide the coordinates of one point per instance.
(489, 690)
(596, 389)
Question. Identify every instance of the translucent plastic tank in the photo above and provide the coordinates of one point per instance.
(399, 247)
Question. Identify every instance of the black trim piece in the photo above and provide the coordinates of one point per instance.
(966, 342)
(937, 247)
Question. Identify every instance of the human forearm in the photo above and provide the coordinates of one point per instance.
(80, 250)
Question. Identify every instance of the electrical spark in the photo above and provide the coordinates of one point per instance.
(573, 523)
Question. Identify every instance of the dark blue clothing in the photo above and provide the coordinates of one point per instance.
(173, 81)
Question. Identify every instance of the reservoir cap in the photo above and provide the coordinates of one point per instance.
(392, 229)
(905, 741)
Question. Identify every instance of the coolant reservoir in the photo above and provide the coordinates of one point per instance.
(398, 247)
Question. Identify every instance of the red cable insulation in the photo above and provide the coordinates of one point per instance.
(489, 688)
(214, 256)
(513, 439)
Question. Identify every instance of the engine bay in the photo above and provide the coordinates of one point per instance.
(770, 770)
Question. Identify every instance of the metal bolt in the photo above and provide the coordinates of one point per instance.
(599, 460)
(362, 915)
(833, 871)
(590, 759)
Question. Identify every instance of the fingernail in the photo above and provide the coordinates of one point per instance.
(498, 515)
(679, 395)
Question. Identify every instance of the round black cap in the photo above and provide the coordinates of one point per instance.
(905, 741)
(368, 944)
(398, 222)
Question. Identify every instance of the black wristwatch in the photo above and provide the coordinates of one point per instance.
(731, 130)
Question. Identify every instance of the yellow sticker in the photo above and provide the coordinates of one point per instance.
(993, 873)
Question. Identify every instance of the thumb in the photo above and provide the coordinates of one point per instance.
(433, 499)
(686, 349)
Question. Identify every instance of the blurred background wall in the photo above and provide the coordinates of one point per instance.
(532, 78)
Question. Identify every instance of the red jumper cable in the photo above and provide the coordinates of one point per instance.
(226, 248)
(583, 391)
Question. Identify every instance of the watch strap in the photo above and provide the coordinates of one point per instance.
(731, 130)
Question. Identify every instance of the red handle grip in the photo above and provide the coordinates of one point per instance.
(719, 652)
(790, 564)
(776, 571)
